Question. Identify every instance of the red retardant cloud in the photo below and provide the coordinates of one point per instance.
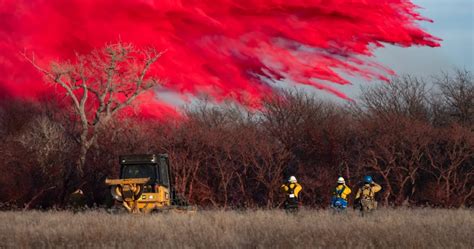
(225, 48)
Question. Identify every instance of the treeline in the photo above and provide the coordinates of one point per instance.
(414, 136)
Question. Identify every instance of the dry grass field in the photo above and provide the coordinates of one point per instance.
(401, 228)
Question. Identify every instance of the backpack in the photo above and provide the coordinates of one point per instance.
(367, 193)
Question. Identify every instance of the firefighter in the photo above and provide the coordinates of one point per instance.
(339, 196)
(291, 190)
(77, 200)
(365, 196)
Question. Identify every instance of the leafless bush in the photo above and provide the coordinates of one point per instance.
(230, 157)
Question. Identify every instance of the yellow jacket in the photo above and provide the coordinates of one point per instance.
(295, 186)
(368, 190)
(344, 193)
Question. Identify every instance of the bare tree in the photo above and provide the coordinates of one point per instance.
(99, 85)
(285, 115)
(187, 152)
(450, 161)
(457, 97)
(402, 96)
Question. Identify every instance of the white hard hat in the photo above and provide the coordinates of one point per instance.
(292, 179)
(341, 180)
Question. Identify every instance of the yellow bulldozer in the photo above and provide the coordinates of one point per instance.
(145, 185)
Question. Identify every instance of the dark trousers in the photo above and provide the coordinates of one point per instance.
(291, 204)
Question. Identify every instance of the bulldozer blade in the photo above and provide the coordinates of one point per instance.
(126, 181)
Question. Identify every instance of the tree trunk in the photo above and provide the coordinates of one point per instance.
(389, 190)
(81, 161)
(32, 201)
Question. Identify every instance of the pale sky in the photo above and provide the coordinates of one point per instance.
(453, 22)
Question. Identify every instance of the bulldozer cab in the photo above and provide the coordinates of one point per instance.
(155, 167)
(145, 183)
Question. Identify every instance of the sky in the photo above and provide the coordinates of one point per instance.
(453, 21)
(349, 45)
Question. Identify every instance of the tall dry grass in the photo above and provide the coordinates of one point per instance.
(402, 228)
